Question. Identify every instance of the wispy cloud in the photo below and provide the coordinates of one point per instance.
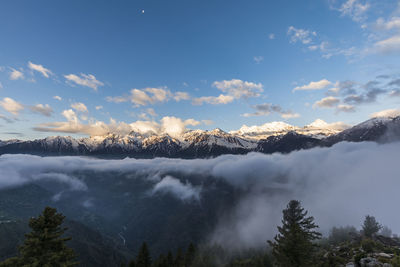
(313, 85)
(79, 107)
(39, 68)
(300, 35)
(16, 74)
(258, 59)
(11, 105)
(214, 100)
(87, 80)
(239, 89)
(327, 102)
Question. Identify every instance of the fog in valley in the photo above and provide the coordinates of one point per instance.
(337, 185)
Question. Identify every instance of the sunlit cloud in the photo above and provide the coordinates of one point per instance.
(87, 80)
(391, 113)
(16, 74)
(327, 102)
(11, 105)
(313, 85)
(39, 68)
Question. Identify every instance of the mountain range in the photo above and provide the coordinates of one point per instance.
(268, 138)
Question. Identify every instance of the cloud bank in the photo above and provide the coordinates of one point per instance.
(338, 185)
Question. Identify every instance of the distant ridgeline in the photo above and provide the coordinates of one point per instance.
(201, 144)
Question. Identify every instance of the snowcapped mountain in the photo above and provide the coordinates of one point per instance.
(317, 129)
(380, 129)
(267, 138)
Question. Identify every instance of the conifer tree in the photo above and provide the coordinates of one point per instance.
(370, 226)
(170, 259)
(143, 258)
(132, 263)
(293, 245)
(190, 254)
(45, 244)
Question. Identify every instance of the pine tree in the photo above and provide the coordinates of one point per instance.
(170, 259)
(143, 258)
(370, 226)
(293, 246)
(132, 263)
(45, 244)
(190, 254)
(179, 260)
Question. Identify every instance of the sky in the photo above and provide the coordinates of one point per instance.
(84, 68)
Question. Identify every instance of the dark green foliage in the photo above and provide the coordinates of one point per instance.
(293, 245)
(370, 226)
(45, 244)
(179, 259)
(143, 258)
(190, 254)
(170, 258)
(132, 263)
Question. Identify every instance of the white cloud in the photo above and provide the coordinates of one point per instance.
(87, 80)
(354, 9)
(56, 97)
(300, 35)
(214, 100)
(389, 45)
(175, 126)
(45, 110)
(239, 89)
(271, 36)
(99, 107)
(1, 85)
(290, 115)
(181, 96)
(70, 115)
(392, 23)
(258, 59)
(147, 96)
(313, 85)
(172, 185)
(16, 74)
(11, 105)
(258, 211)
(168, 125)
(391, 113)
(79, 107)
(327, 102)
(39, 68)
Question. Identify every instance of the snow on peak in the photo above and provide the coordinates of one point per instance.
(269, 127)
(387, 113)
(323, 125)
(318, 123)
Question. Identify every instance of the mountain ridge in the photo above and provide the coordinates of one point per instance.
(200, 143)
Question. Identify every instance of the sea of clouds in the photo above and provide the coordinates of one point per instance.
(337, 185)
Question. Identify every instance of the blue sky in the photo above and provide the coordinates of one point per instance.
(139, 65)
